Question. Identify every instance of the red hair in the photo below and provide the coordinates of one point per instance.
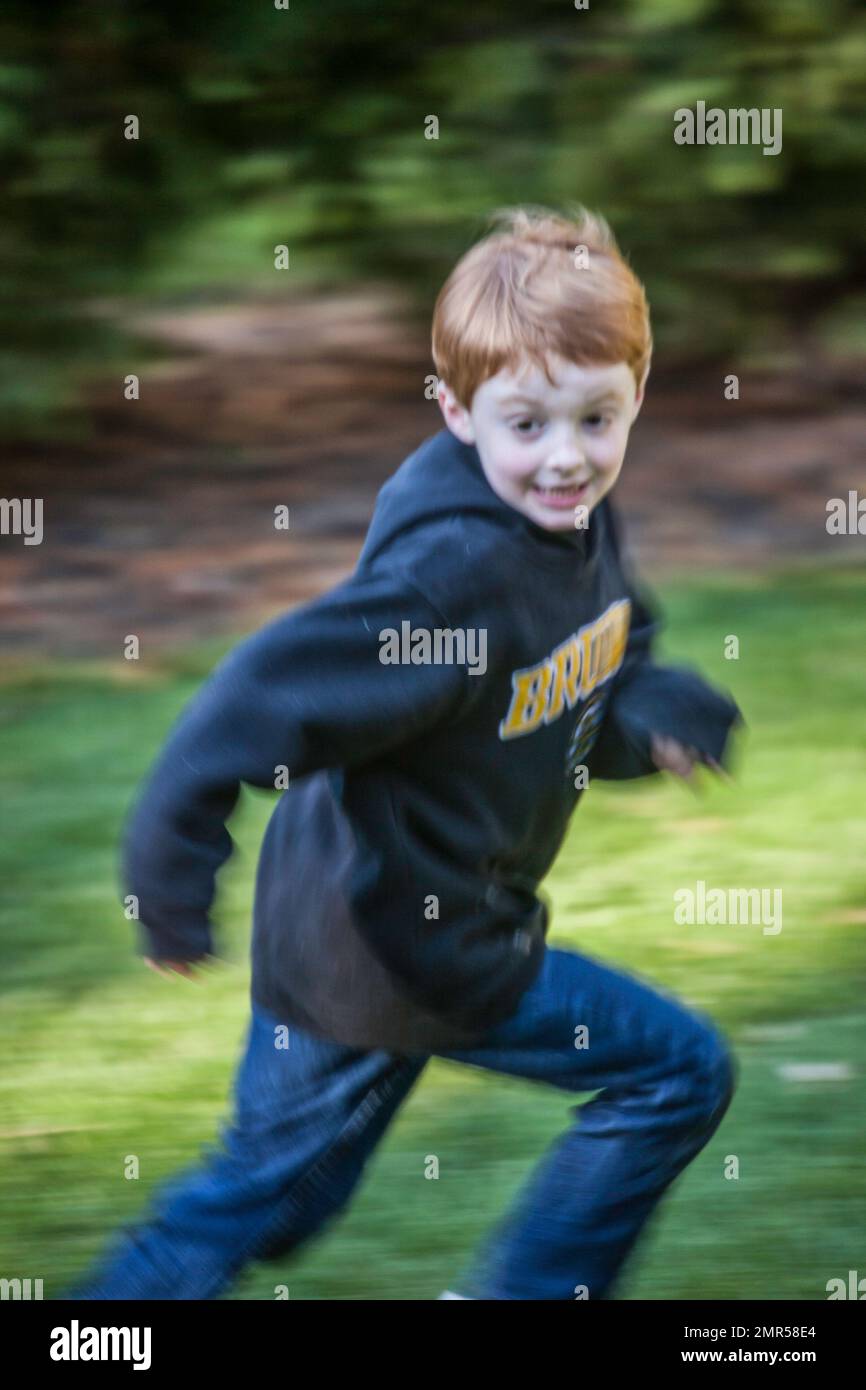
(539, 283)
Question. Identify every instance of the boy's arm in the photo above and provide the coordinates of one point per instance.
(647, 699)
(307, 691)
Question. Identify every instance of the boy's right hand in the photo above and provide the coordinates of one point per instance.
(178, 967)
(670, 756)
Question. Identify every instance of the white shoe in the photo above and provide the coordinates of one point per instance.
(449, 1294)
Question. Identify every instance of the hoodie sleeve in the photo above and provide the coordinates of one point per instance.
(307, 691)
(646, 698)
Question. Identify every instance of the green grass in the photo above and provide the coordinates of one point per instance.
(103, 1059)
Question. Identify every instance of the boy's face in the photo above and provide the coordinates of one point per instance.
(547, 450)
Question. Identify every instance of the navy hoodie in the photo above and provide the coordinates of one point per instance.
(431, 715)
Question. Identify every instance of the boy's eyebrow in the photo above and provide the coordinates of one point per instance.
(612, 395)
(519, 400)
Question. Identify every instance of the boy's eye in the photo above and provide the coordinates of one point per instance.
(596, 419)
(525, 426)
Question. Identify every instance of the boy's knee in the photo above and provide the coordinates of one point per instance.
(715, 1071)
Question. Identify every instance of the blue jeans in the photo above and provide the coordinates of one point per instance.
(308, 1117)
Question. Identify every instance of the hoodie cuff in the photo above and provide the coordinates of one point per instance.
(675, 702)
(175, 936)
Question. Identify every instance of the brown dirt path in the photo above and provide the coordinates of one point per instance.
(162, 524)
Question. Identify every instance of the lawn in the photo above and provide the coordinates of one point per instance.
(104, 1059)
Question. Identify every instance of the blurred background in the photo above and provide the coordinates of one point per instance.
(154, 256)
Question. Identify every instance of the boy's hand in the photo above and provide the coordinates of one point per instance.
(671, 756)
(179, 967)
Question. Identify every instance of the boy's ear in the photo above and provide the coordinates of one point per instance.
(641, 391)
(456, 416)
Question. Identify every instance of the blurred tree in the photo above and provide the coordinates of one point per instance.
(306, 126)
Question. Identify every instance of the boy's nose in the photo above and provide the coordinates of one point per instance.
(568, 456)
(568, 465)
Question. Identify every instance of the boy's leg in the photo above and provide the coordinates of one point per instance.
(666, 1077)
(306, 1120)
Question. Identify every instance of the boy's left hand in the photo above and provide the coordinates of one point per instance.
(671, 756)
(164, 967)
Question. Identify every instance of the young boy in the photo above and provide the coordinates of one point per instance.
(438, 715)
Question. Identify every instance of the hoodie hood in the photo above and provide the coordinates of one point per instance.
(444, 481)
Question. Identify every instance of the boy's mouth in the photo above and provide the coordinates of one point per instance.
(569, 495)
